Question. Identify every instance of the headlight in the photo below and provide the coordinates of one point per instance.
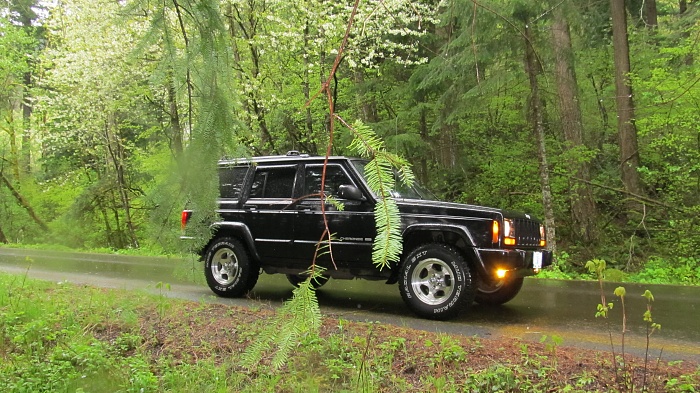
(508, 232)
(543, 236)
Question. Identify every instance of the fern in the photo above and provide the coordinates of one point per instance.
(298, 317)
(336, 203)
(381, 179)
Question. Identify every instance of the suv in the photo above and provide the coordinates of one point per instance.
(271, 220)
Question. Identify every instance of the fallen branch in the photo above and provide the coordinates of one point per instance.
(641, 198)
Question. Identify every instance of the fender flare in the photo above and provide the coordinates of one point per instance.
(470, 250)
(239, 230)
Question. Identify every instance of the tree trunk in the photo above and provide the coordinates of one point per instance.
(536, 118)
(245, 23)
(175, 126)
(12, 135)
(425, 137)
(3, 239)
(24, 203)
(26, 159)
(583, 209)
(116, 152)
(651, 15)
(308, 115)
(627, 130)
(682, 9)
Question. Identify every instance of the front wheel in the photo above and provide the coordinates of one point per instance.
(228, 269)
(435, 282)
(497, 292)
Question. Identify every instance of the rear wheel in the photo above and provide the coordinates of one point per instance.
(496, 292)
(318, 282)
(228, 269)
(436, 282)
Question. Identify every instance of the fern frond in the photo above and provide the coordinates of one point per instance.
(366, 142)
(388, 244)
(330, 199)
(381, 179)
(299, 316)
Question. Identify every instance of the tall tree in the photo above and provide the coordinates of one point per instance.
(535, 111)
(15, 44)
(583, 209)
(627, 130)
(25, 15)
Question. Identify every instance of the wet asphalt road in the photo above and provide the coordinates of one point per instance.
(543, 308)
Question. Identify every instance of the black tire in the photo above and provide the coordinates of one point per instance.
(435, 282)
(228, 269)
(296, 279)
(497, 292)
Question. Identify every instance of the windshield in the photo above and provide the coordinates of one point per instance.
(402, 191)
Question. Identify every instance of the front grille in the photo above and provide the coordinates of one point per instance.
(527, 233)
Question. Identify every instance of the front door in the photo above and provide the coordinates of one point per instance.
(352, 228)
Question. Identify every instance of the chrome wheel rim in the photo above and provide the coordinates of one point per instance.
(224, 267)
(432, 281)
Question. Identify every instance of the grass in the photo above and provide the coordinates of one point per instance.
(58, 337)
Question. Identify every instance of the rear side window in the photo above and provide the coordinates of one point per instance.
(273, 182)
(231, 181)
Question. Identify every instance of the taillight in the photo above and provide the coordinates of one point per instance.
(495, 231)
(184, 218)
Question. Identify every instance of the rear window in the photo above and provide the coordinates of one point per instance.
(231, 181)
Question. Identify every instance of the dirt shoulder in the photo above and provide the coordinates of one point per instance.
(401, 357)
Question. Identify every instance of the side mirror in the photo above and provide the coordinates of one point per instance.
(348, 191)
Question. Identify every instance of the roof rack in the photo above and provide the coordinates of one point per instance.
(296, 153)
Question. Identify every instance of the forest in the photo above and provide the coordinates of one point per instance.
(584, 113)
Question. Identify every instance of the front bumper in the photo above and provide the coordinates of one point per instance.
(517, 262)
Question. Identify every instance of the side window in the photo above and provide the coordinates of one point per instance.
(335, 177)
(231, 181)
(273, 182)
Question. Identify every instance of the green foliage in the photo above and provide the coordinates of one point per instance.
(298, 318)
(498, 378)
(674, 270)
(447, 351)
(47, 345)
(626, 379)
(653, 326)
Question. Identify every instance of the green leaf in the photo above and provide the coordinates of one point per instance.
(620, 291)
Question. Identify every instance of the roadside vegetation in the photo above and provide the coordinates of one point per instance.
(59, 337)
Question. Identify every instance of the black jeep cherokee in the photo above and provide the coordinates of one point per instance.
(453, 253)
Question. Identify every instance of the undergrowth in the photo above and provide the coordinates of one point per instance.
(58, 337)
(679, 270)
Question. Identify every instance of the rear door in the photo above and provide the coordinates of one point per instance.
(267, 212)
